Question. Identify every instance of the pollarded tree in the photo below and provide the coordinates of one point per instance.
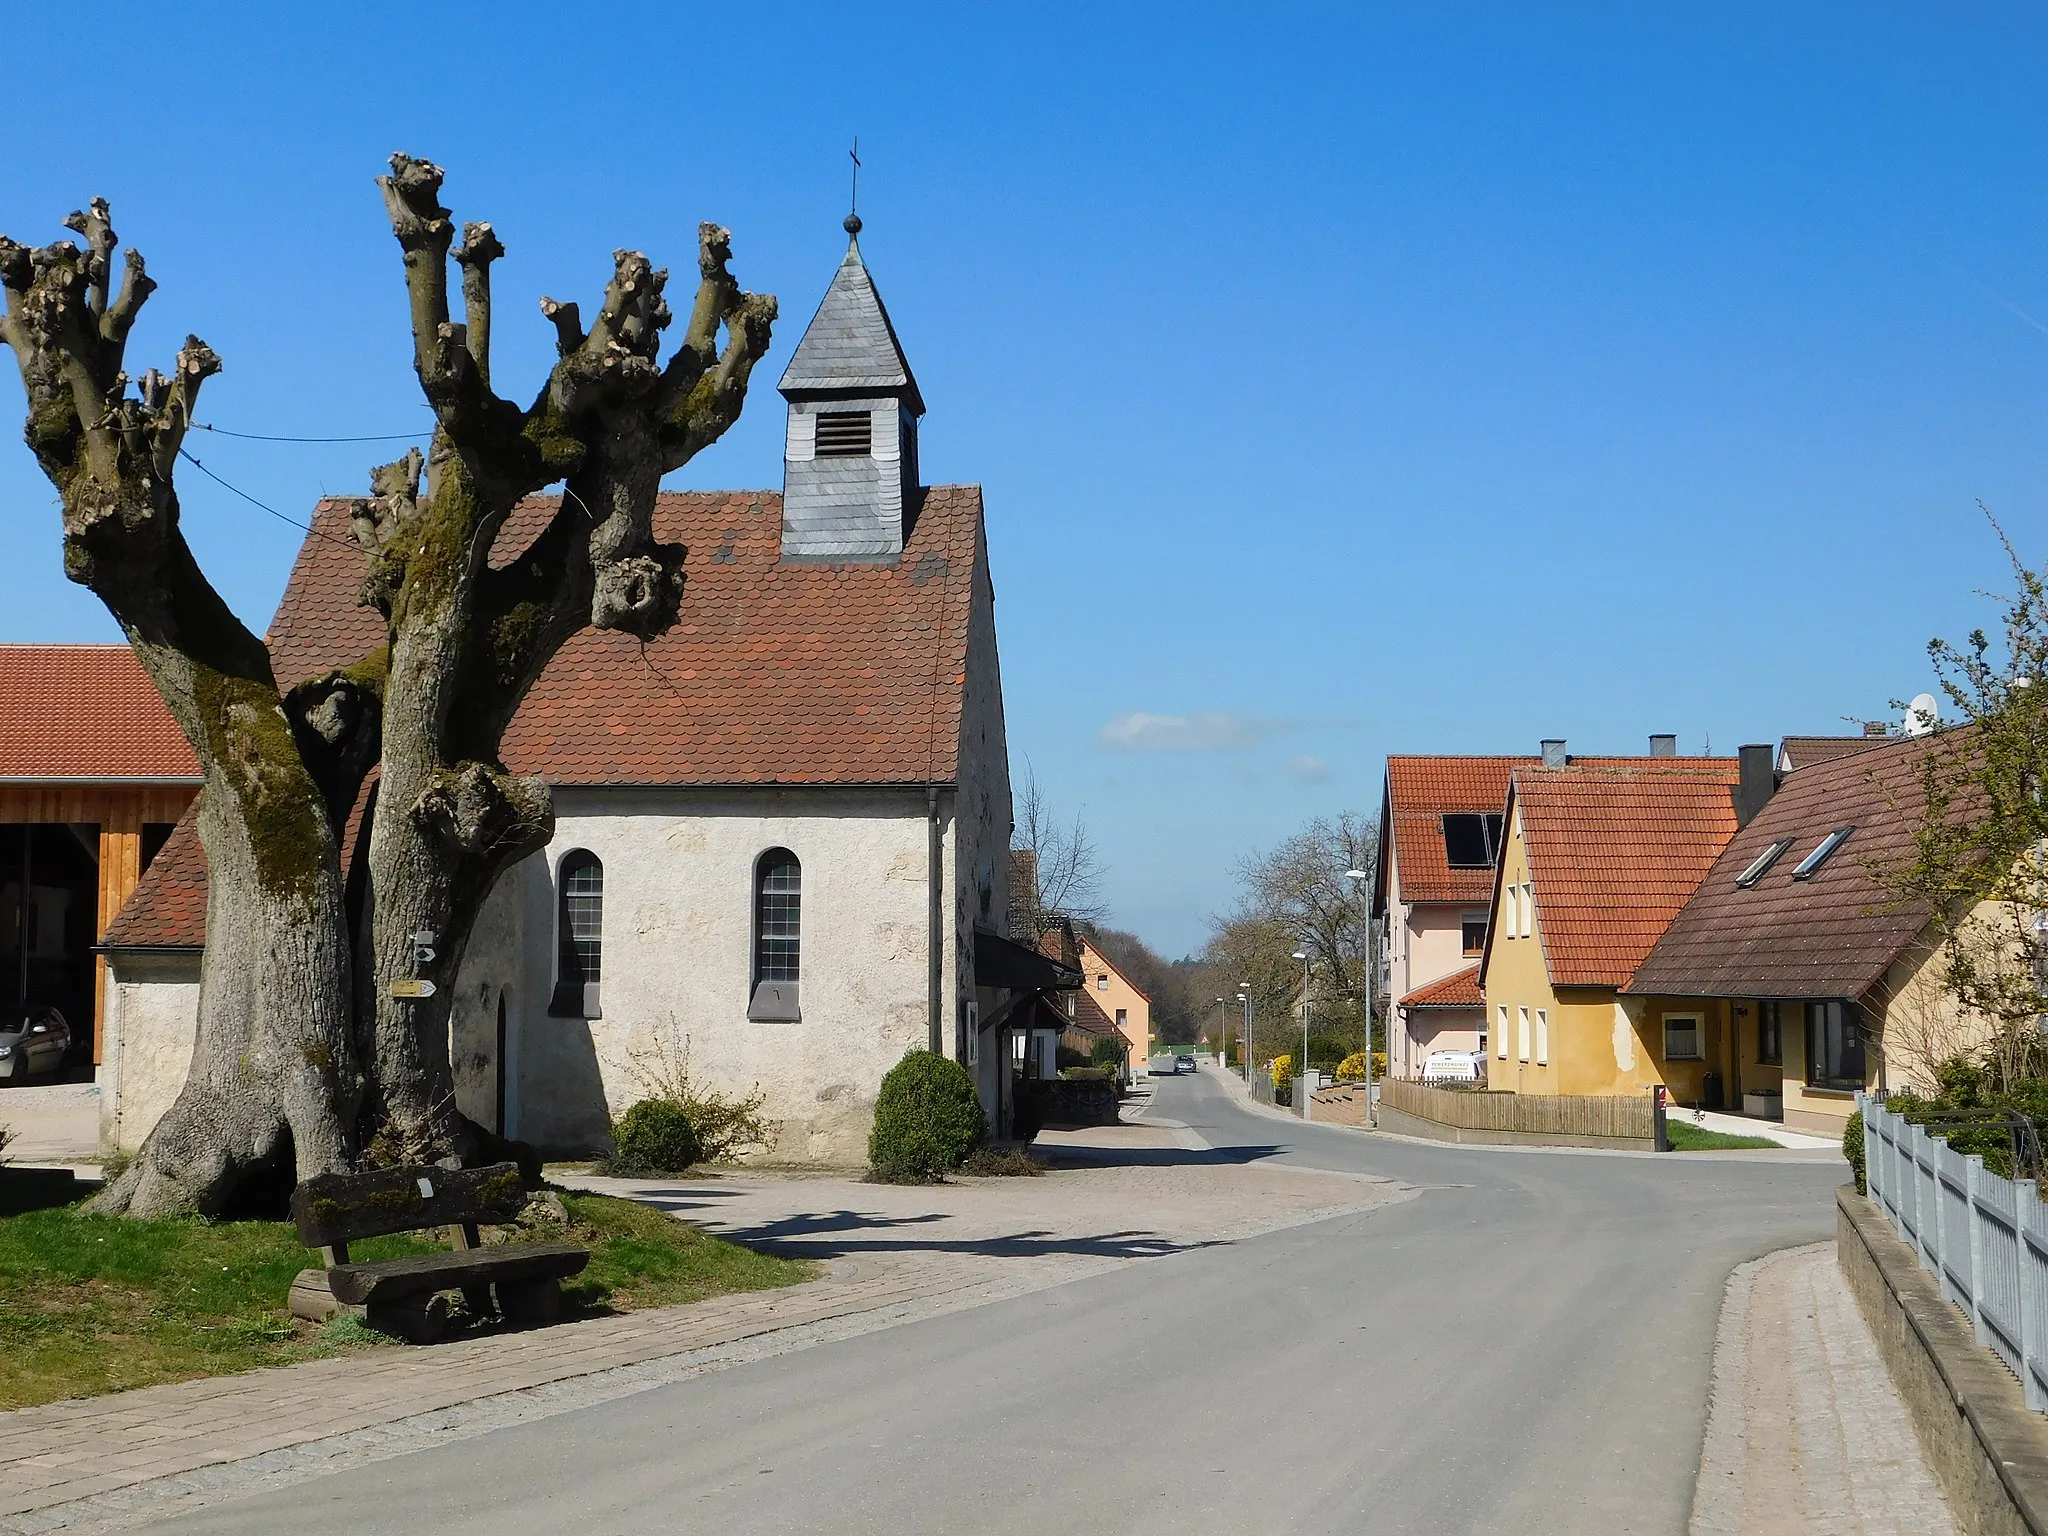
(302, 1044)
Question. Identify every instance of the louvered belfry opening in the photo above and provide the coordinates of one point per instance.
(845, 434)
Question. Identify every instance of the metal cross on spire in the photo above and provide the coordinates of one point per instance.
(853, 204)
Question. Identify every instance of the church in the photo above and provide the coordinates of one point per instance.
(782, 828)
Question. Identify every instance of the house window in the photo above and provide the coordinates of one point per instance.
(1471, 842)
(845, 435)
(1102, 983)
(1473, 928)
(1834, 1045)
(579, 935)
(1522, 1033)
(1070, 1005)
(778, 935)
(1122, 1018)
(1770, 1048)
(1682, 1034)
(1500, 1033)
(1542, 1037)
(1810, 865)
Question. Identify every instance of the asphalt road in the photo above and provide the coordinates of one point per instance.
(1525, 1347)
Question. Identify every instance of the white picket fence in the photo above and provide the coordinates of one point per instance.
(1985, 1238)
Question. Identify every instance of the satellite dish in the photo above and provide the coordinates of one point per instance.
(1922, 715)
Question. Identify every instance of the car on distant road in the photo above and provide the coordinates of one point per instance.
(1183, 1064)
(32, 1040)
(1453, 1067)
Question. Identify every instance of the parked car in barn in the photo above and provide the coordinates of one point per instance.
(33, 1040)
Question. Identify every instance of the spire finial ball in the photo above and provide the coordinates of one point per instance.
(852, 224)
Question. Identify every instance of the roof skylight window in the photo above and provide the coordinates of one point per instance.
(1810, 865)
(1763, 863)
(1471, 841)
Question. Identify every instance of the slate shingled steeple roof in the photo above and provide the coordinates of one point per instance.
(851, 345)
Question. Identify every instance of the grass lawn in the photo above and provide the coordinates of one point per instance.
(102, 1303)
(1684, 1136)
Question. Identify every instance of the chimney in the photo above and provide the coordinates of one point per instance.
(1663, 746)
(1875, 728)
(1757, 782)
(1554, 753)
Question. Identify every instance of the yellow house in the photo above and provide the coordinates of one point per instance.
(1119, 1002)
(1596, 858)
(1809, 979)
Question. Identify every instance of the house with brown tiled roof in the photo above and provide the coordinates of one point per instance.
(93, 773)
(1811, 979)
(1597, 857)
(781, 828)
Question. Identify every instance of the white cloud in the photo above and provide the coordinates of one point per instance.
(1136, 731)
(1308, 768)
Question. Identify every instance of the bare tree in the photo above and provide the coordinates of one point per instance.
(303, 1048)
(1978, 860)
(1060, 874)
(1300, 887)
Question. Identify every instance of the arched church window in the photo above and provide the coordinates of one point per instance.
(579, 931)
(778, 935)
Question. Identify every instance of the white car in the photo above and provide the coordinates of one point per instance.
(1452, 1067)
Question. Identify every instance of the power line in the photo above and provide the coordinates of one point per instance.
(265, 437)
(261, 506)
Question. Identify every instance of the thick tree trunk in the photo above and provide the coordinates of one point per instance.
(295, 996)
(271, 1075)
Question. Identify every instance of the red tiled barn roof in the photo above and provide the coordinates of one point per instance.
(1615, 852)
(85, 712)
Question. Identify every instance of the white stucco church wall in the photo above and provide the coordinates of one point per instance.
(677, 962)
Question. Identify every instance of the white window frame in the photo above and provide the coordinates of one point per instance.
(1528, 910)
(1500, 1034)
(1542, 1037)
(1522, 1032)
(1699, 1036)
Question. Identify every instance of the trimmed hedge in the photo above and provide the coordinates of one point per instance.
(654, 1136)
(1852, 1148)
(927, 1119)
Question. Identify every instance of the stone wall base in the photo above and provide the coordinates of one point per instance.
(1987, 1448)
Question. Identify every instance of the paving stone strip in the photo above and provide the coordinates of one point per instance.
(1805, 1432)
(895, 1256)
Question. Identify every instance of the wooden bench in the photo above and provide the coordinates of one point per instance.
(403, 1296)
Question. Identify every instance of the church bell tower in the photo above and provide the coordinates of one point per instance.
(849, 464)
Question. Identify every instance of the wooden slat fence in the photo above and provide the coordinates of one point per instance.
(1528, 1114)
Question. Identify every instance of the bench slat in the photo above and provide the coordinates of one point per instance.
(334, 1209)
(361, 1284)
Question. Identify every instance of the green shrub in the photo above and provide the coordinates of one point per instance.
(927, 1119)
(1107, 1052)
(655, 1136)
(1852, 1147)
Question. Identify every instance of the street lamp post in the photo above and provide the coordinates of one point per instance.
(1371, 1114)
(1244, 995)
(1302, 956)
(1223, 1028)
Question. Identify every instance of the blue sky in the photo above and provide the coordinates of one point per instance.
(1342, 380)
